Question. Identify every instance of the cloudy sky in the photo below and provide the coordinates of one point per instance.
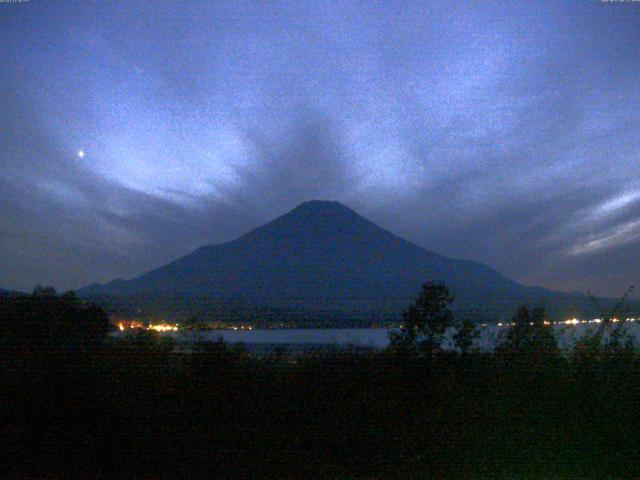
(504, 132)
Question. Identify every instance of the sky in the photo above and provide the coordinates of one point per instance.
(503, 132)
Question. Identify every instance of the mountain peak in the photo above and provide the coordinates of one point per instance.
(320, 204)
(322, 207)
(320, 220)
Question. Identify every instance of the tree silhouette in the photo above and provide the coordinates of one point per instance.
(621, 308)
(611, 335)
(465, 335)
(46, 320)
(425, 322)
(530, 333)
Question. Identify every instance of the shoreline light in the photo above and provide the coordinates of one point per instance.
(159, 327)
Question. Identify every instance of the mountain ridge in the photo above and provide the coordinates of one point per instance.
(323, 256)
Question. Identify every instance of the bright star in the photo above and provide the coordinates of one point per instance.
(80, 153)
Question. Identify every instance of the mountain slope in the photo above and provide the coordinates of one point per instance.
(322, 256)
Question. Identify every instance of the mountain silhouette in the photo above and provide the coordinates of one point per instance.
(324, 257)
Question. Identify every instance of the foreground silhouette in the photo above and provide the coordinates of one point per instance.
(45, 320)
(136, 408)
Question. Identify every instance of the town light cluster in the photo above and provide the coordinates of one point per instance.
(159, 327)
(163, 327)
(571, 321)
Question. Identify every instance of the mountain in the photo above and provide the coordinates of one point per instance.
(323, 259)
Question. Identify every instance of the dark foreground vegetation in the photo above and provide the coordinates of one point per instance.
(136, 408)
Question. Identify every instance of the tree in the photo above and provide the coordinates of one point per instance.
(611, 336)
(47, 320)
(425, 322)
(620, 309)
(465, 335)
(616, 335)
(530, 333)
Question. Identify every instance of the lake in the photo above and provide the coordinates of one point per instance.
(376, 338)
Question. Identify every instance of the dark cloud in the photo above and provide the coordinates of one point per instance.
(308, 159)
(506, 134)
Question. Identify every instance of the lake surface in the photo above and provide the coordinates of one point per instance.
(376, 338)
